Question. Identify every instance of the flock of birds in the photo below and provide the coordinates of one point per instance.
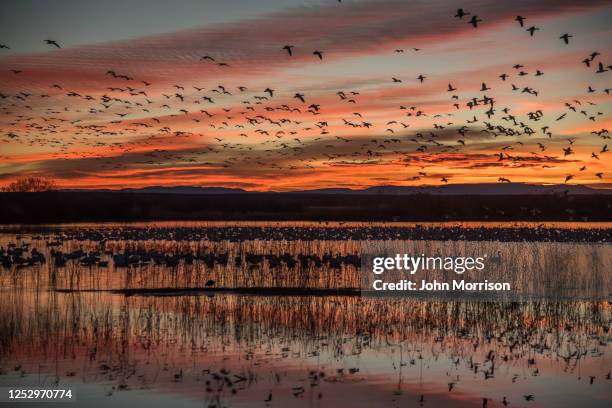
(294, 138)
(322, 232)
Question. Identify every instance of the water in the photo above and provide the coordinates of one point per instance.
(229, 349)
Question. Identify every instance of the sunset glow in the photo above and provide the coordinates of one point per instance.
(141, 106)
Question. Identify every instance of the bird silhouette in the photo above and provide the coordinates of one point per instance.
(52, 42)
(600, 68)
(460, 13)
(565, 37)
(474, 21)
(289, 49)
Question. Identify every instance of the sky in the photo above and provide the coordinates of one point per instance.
(141, 93)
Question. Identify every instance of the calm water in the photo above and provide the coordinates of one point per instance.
(315, 351)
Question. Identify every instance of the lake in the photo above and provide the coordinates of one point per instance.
(186, 334)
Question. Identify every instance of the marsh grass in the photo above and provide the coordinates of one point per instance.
(148, 341)
(533, 269)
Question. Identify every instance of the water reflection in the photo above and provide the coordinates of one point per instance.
(226, 349)
(316, 351)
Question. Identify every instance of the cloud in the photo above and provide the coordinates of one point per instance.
(254, 46)
(165, 133)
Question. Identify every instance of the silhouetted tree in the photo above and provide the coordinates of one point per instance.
(30, 185)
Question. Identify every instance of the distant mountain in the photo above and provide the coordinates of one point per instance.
(467, 189)
(184, 190)
(328, 191)
(488, 189)
(451, 189)
(167, 190)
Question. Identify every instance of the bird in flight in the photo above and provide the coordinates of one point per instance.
(532, 30)
(318, 54)
(460, 13)
(474, 21)
(52, 42)
(520, 20)
(289, 49)
(565, 37)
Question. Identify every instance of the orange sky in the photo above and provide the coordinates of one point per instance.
(64, 116)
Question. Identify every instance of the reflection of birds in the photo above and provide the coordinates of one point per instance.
(52, 42)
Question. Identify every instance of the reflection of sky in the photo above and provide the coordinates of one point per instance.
(162, 43)
(424, 366)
